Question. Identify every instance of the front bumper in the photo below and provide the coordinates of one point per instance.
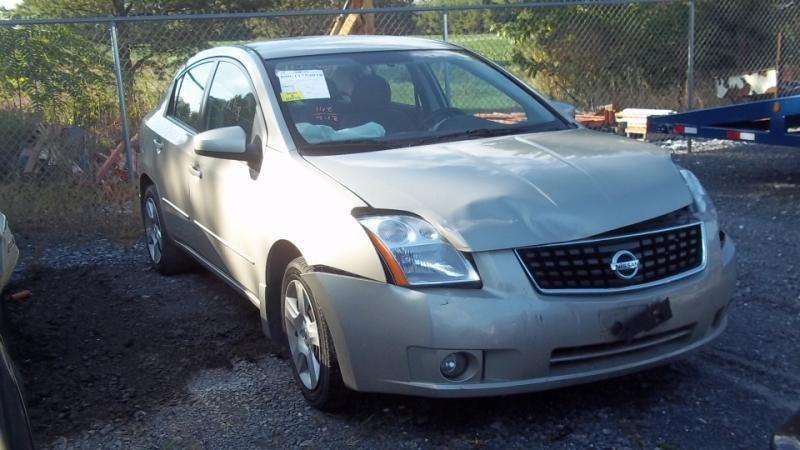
(391, 339)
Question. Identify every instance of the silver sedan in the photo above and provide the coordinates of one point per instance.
(410, 218)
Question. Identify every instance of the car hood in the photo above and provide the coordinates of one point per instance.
(520, 190)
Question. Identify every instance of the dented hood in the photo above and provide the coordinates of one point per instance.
(519, 190)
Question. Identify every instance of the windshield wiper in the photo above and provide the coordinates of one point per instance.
(387, 142)
(482, 133)
(347, 146)
(469, 134)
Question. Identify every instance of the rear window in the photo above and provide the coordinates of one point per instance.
(189, 96)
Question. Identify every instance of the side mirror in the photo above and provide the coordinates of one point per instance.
(564, 108)
(224, 143)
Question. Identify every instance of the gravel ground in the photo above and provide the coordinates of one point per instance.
(115, 356)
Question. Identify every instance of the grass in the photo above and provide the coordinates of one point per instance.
(71, 207)
(489, 45)
(466, 91)
(475, 97)
(492, 46)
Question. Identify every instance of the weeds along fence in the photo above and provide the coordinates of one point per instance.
(74, 90)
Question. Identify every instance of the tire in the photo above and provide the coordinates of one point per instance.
(165, 255)
(325, 391)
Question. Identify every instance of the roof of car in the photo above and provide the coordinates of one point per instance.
(325, 45)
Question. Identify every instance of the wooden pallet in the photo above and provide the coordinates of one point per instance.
(40, 148)
(634, 120)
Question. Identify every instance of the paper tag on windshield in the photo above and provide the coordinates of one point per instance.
(302, 85)
(291, 96)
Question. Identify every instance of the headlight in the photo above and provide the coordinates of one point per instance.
(702, 202)
(415, 253)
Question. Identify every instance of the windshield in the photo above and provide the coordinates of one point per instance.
(379, 100)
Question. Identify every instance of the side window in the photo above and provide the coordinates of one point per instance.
(231, 101)
(399, 80)
(189, 97)
(474, 95)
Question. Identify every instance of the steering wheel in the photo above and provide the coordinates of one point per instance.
(434, 119)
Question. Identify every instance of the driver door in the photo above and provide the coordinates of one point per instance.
(225, 197)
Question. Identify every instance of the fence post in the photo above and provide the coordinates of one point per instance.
(444, 24)
(690, 63)
(123, 110)
(690, 67)
(446, 67)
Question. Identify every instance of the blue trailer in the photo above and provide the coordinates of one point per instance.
(772, 122)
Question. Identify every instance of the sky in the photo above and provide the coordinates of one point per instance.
(9, 3)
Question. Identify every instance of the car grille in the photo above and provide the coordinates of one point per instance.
(585, 266)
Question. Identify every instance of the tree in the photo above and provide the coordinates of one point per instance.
(53, 70)
(159, 47)
(468, 21)
(138, 45)
(739, 37)
(635, 54)
(603, 53)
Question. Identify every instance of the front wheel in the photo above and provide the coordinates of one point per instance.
(316, 369)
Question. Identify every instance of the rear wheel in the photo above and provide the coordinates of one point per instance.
(316, 369)
(165, 256)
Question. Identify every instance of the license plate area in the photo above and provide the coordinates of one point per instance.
(654, 315)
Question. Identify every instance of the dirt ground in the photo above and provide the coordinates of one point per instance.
(116, 356)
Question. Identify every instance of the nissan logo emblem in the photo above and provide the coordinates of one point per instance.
(625, 264)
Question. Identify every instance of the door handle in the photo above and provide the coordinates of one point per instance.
(195, 171)
(159, 145)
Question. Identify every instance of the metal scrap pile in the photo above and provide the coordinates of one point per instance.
(53, 148)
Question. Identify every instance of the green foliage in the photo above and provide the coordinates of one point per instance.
(470, 21)
(636, 54)
(74, 8)
(490, 45)
(584, 50)
(55, 71)
(740, 37)
(140, 43)
(150, 52)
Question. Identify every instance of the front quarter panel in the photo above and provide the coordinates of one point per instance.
(313, 212)
(145, 157)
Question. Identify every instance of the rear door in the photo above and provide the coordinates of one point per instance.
(173, 136)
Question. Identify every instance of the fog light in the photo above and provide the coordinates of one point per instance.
(453, 365)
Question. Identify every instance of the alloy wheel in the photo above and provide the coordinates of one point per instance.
(302, 333)
(152, 228)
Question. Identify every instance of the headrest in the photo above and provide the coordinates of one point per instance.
(371, 91)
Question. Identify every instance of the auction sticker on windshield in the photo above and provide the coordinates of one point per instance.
(302, 85)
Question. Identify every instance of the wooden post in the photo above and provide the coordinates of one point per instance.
(353, 22)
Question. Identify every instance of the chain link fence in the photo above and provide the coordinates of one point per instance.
(63, 164)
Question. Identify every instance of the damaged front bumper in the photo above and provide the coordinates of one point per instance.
(393, 340)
